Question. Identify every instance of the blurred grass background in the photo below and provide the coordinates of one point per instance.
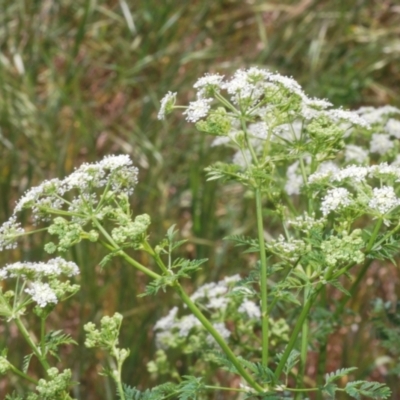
(82, 79)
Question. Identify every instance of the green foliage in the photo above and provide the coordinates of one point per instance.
(374, 390)
(156, 393)
(190, 388)
(54, 339)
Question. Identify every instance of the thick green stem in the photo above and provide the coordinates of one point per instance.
(263, 280)
(221, 342)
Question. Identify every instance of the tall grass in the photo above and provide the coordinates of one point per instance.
(80, 79)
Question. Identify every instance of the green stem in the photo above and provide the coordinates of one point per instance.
(206, 323)
(42, 335)
(304, 346)
(21, 374)
(122, 253)
(31, 343)
(296, 330)
(322, 356)
(263, 280)
(156, 256)
(221, 342)
(119, 383)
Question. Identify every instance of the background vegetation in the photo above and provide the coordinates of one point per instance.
(81, 79)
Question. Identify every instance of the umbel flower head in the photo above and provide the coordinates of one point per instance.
(42, 279)
(91, 191)
(114, 172)
(261, 113)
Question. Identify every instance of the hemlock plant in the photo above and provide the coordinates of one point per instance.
(329, 176)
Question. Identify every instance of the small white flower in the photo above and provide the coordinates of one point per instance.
(208, 83)
(197, 109)
(221, 141)
(325, 170)
(218, 303)
(376, 115)
(222, 330)
(384, 170)
(354, 172)
(393, 128)
(232, 279)
(288, 83)
(251, 309)
(356, 154)
(339, 115)
(384, 199)
(167, 104)
(247, 85)
(166, 323)
(38, 270)
(380, 143)
(187, 323)
(42, 294)
(294, 179)
(9, 233)
(335, 199)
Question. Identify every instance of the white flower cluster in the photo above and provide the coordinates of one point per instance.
(213, 297)
(384, 199)
(381, 143)
(249, 89)
(167, 104)
(353, 153)
(380, 200)
(294, 179)
(385, 128)
(39, 270)
(335, 199)
(33, 274)
(306, 222)
(374, 115)
(9, 233)
(116, 172)
(42, 294)
(290, 249)
(356, 174)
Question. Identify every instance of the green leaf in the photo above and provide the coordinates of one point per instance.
(187, 266)
(340, 373)
(160, 283)
(54, 339)
(26, 362)
(340, 287)
(190, 388)
(330, 390)
(292, 360)
(374, 390)
(241, 240)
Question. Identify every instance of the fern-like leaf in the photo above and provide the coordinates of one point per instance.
(190, 388)
(26, 362)
(340, 373)
(374, 390)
